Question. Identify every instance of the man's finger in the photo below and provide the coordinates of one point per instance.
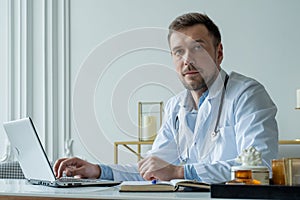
(77, 172)
(63, 165)
(56, 167)
(149, 176)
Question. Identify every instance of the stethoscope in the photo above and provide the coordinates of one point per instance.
(183, 160)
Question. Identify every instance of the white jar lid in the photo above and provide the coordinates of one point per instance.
(253, 168)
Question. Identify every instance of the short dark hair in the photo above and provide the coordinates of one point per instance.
(191, 19)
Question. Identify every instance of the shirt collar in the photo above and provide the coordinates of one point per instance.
(202, 98)
(188, 101)
(218, 85)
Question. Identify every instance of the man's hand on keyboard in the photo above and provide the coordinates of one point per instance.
(76, 167)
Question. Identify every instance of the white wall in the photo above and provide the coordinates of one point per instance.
(3, 72)
(260, 38)
(118, 56)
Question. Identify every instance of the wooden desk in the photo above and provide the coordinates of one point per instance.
(135, 152)
(14, 189)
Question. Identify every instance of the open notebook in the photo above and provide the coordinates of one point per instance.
(164, 186)
(33, 159)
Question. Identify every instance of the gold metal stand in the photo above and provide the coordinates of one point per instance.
(154, 109)
(136, 152)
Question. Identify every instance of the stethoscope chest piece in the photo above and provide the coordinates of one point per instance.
(214, 134)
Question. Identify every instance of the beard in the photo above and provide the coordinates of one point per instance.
(194, 84)
(200, 81)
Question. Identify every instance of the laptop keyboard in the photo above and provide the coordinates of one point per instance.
(69, 179)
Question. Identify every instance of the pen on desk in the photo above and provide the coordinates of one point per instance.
(154, 181)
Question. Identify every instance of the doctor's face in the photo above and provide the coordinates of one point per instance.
(195, 56)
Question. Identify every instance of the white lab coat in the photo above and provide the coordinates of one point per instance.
(247, 119)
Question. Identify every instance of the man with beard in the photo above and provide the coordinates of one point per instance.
(206, 126)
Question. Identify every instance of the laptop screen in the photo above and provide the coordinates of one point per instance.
(28, 150)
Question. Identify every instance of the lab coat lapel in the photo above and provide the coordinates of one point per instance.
(185, 133)
(202, 125)
(207, 116)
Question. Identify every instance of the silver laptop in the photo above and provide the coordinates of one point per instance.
(33, 159)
